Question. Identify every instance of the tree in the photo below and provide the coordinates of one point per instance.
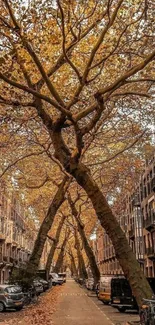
(73, 264)
(105, 62)
(86, 245)
(59, 261)
(32, 265)
(81, 264)
(54, 245)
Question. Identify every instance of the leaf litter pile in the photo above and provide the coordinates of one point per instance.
(40, 313)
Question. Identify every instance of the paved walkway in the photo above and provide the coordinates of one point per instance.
(76, 308)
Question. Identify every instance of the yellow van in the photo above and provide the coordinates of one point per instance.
(104, 293)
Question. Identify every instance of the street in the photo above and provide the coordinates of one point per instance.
(78, 306)
(68, 304)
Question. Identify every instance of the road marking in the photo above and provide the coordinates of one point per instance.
(102, 313)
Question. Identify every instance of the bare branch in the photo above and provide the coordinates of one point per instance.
(64, 41)
(47, 179)
(15, 102)
(61, 60)
(120, 152)
(130, 92)
(20, 159)
(29, 90)
(127, 75)
(51, 238)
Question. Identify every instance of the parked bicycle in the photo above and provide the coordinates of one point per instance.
(30, 296)
(147, 312)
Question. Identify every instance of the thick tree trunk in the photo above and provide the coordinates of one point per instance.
(81, 264)
(58, 199)
(54, 245)
(86, 245)
(73, 265)
(59, 261)
(124, 254)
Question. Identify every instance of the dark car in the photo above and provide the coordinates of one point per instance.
(121, 293)
(44, 283)
(38, 287)
(11, 297)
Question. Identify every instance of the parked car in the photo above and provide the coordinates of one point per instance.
(104, 289)
(11, 297)
(42, 274)
(121, 293)
(44, 283)
(63, 276)
(90, 284)
(97, 288)
(38, 287)
(56, 279)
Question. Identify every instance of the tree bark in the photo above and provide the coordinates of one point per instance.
(81, 264)
(124, 253)
(73, 265)
(59, 261)
(54, 245)
(58, 199)
(87, 247)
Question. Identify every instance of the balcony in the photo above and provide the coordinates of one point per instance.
(12, 259)
(150, 252)
(136, 200)
(149, 223)
(132, 233)
(14, 244)
(8, 241)
(7, 260)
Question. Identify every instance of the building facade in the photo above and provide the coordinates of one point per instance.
(138, 223)
(16, 236)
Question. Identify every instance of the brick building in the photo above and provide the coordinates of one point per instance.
(16, 236)
(138, 222)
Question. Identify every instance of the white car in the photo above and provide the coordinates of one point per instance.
(56, 279)
(90, 283)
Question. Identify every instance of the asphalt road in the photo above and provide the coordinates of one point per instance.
(76, 308)
(113, 314)
(79, 306)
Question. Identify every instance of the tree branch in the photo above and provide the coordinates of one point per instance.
(64, 41)
(127, 75)
(120, 152)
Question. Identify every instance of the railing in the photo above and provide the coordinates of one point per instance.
(150, 221)
(150, 252)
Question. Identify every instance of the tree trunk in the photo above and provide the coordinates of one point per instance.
(81, 264)
(32, 265)
(87, 247)
(73, 265)
(59, 261)
(54, 245)
(124, 253)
